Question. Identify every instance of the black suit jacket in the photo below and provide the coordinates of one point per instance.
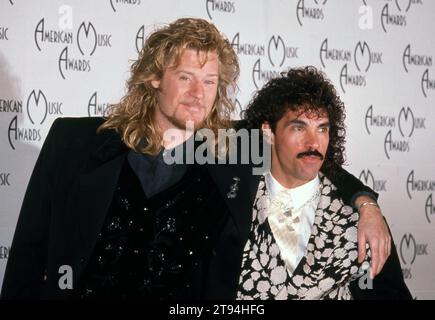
(68, 196)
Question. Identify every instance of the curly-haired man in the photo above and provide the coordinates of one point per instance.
(303, 238)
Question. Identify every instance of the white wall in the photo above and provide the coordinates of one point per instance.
(390, 105)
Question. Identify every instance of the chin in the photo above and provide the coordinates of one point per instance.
(311, 176)
(198, 124)
(182, 123)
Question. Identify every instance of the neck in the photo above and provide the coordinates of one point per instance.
(285, 181)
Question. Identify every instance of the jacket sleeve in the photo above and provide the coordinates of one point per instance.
(24, 273)
(387, 285)
(350, 187)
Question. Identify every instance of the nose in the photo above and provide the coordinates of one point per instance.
(312, 140)
(197, 90)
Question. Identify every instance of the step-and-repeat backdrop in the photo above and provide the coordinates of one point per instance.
(71, 58)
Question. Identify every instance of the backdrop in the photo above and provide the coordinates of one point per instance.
(71, 59)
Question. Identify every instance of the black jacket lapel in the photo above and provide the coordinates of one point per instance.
(238, 187)
(96, 187)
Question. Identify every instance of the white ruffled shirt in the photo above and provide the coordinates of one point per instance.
(299, 198)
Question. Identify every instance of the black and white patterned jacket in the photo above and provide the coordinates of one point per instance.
(330, 260)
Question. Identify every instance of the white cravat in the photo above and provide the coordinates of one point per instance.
(291, 217)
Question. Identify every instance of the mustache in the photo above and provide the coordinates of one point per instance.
(192, 102)
(310, 153)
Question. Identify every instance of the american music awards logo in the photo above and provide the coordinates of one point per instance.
(4, 179)
(313, 11)
(394, 13)
(96, 108)
(409, 250)
(372, 119)
(390, 17)
(76, 52)
(140, 38)
(238, 109)
(4, 30)
(70, 63)
(88, 40)
(4, 33)
(277, 54)
(219, 6)
(405, 122)
(414, 59)
(37, 108)
(18, 133)
(116, 4)
(4, 252)
(429, 208)
(427, 83)
(277, 51)
(44, 36)
(367, 177)
(248, 49)
(414, 184)
(11, 105)
(354, 74)
(418, 185)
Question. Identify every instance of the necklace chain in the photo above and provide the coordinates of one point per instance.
(290, 210)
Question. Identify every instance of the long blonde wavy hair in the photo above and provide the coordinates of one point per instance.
(133, 116)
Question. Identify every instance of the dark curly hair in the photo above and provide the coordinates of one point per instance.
(302, 90)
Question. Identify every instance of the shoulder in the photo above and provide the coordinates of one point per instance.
(69, 130)
(332, 199)
(72, 134)
(78, 126)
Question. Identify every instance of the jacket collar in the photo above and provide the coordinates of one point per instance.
(96, 187)
(238, 186)
(111, 147)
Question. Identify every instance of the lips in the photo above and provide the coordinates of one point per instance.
(194, 108)
(311, 159)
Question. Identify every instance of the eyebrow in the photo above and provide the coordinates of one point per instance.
(303, 123)
(296, 121)
(192, 74)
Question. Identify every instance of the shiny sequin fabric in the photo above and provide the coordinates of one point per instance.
(154, 248)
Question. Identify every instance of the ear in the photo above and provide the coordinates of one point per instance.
(155, 84)
(267, 132)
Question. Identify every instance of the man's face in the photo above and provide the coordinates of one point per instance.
(299, 146)
(187, 92)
